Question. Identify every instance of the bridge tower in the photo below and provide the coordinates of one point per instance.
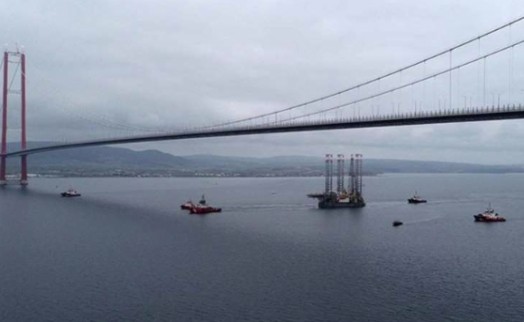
(18, 57)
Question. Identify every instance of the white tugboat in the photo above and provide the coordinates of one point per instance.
(70, 193)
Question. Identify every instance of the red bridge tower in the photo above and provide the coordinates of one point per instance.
(17, 57)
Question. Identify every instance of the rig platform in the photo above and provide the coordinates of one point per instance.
(342, 197)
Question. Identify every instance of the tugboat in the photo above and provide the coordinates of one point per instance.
(416, 199)
(70, 193)
(200, 208)
(489, 216)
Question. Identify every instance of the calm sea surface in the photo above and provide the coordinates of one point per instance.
(124, 251)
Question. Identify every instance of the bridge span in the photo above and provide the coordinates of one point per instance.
(420, 118)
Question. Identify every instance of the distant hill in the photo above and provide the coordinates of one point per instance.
(116, 161)
(407, 166)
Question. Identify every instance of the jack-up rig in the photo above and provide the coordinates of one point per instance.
(342, 198)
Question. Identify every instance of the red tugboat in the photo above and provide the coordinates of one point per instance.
(489, 216)
(201, 208)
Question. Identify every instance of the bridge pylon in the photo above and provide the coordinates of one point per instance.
(18, 58)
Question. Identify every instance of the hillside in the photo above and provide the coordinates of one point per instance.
(117, 161)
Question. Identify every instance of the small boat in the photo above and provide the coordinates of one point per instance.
(70, 193)
(489, 216)
(397, 223)
(416, 199)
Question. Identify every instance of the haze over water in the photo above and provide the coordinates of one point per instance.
(124, 251)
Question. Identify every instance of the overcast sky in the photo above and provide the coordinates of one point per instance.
(173, 64)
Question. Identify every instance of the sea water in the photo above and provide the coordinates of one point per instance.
(125, 251)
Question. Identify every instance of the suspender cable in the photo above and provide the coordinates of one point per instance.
(418, 81)
(377, 78)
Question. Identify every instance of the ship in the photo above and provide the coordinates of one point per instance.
(342, 197)
(489, 216)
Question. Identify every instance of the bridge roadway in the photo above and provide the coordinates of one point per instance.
(450, 116)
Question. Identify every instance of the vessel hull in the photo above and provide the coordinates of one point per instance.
(331, 204)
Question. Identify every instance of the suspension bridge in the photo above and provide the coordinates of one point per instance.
(481, 79)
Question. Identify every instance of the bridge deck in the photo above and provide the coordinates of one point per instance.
(455, 116)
